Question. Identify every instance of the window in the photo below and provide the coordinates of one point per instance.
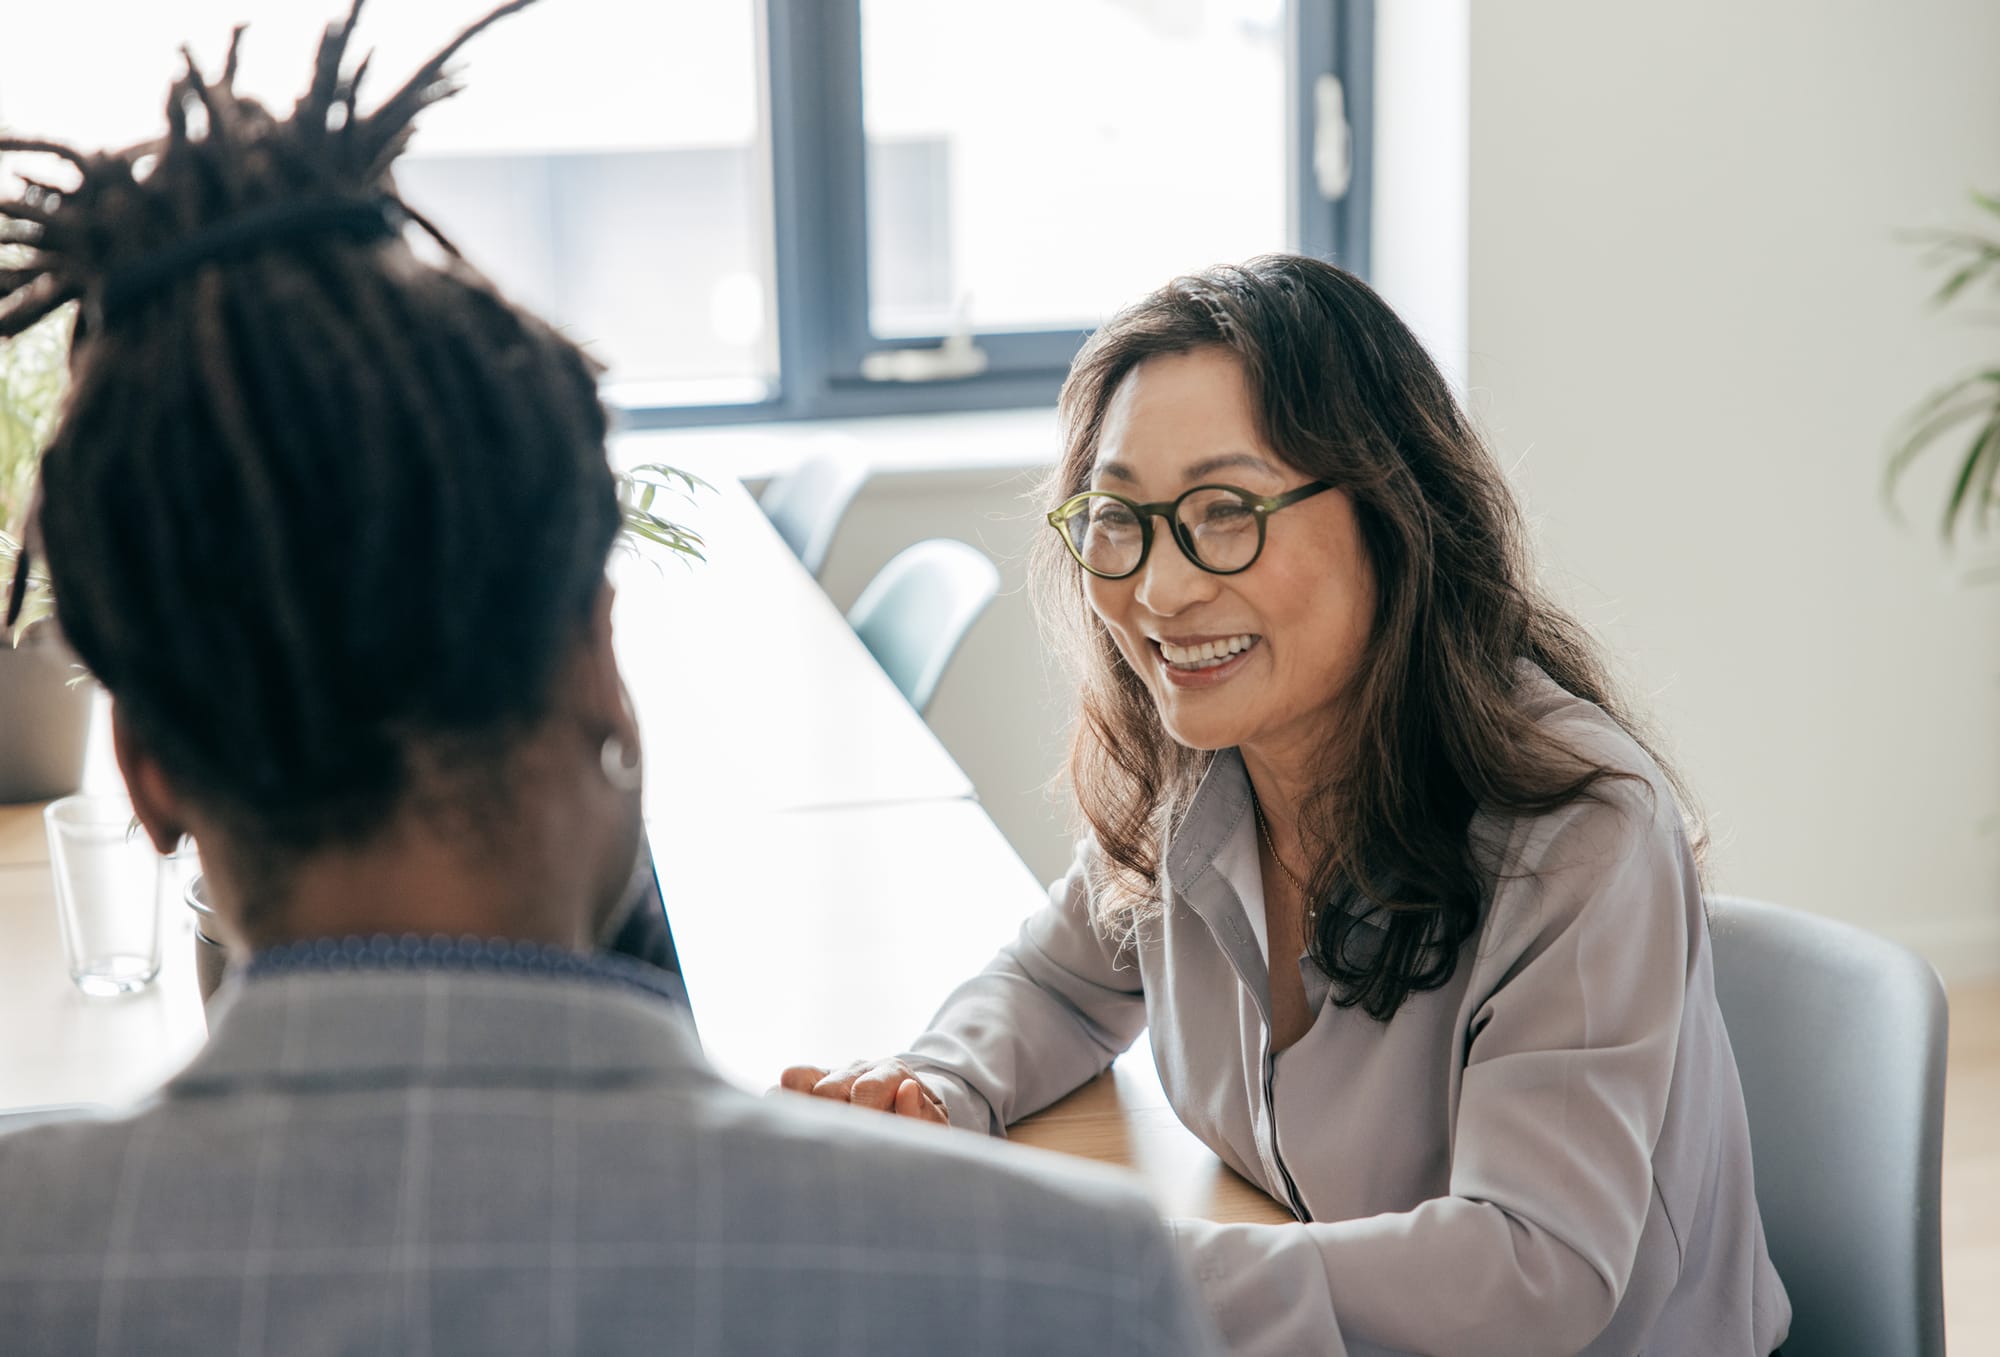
(759, 209)
(605, 162)
(962, 192)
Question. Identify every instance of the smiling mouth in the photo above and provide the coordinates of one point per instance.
(1208, 655)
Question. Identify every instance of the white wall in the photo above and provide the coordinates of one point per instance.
(1693, 325)
(1419, 213)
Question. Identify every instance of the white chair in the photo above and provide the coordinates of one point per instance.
(807, 503)
(918, 608)
(1840, 1038)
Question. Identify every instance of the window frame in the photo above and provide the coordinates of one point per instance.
(811, 80)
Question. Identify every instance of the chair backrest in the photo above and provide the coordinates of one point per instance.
(1840, 1039)
(807, 503)
(918, 608)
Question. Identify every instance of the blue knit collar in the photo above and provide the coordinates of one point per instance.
(481, 956)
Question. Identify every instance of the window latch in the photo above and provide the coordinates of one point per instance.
(958, 356)
(1333, 139)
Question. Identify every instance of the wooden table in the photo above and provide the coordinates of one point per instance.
(829, 876)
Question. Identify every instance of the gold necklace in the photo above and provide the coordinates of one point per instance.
(1270, 843)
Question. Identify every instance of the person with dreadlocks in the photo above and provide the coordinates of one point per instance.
(330, 523)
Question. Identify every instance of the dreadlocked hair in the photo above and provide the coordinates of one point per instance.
(317, 511)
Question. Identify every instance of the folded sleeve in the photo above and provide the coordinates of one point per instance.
(1048, 1014)
(1567, 1068)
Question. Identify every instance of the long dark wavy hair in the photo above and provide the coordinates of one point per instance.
(319, 511)
(1434, 730)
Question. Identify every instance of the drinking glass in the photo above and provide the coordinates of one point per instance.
(109, 883)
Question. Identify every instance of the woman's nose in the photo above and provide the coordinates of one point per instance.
(1168, 582)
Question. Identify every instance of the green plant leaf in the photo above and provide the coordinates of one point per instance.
(1985, 448)
(1973, 396)
(666, 475)
(1982, 498)
(638, 488)
(32, 378)
(1926, 427)
(1967, 275)
(38, 603)
(1978, 394)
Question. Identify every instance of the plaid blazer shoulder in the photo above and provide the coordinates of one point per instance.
(432, 1162)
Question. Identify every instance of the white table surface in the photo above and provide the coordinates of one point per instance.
(827, 936)
(63, 1046)
(751, 689)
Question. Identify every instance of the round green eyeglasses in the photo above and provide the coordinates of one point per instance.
(1218, 527)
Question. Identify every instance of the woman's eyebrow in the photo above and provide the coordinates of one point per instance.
(1207, 466)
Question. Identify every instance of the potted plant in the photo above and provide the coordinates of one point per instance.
(1971, 402)
(44, 702)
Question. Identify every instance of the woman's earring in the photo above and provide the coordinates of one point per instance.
(621, 771)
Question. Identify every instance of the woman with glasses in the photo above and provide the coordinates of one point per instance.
(1375, 855)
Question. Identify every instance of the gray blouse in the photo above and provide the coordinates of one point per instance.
(1547, 1155)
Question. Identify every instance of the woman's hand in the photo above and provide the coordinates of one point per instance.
(886, 1085)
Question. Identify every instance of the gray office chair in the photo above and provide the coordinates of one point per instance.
(807, 503)
(918, 608)
(1840, 1038)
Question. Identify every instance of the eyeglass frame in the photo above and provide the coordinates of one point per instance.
(1261, 506)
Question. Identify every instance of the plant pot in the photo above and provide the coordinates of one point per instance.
(44, 718)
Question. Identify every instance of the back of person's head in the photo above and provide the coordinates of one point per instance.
(322, 514)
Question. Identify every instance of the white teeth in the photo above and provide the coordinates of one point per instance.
(1206, 655)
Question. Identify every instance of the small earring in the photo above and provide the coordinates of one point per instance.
(618, 771)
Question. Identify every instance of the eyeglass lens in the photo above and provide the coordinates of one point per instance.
(1219, 526)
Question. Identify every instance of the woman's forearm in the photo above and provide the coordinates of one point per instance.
(1021, 1034)
(1047, 1015)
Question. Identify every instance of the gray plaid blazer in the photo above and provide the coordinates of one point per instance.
(437, 1162)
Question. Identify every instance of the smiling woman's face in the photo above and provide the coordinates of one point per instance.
(1296, 621)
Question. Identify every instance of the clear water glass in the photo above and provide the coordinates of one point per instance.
(109, 884)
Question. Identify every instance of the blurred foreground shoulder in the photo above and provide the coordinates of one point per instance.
(1066, 1256)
